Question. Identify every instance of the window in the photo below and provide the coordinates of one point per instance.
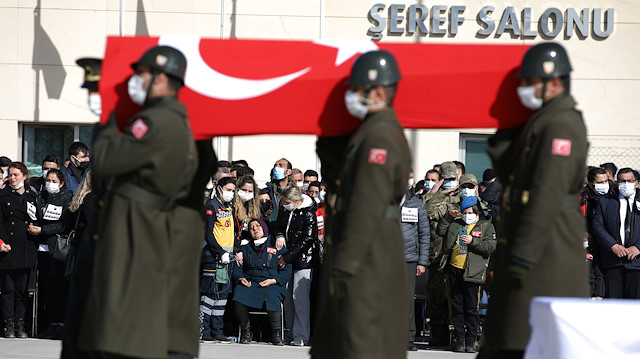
(473, 153)
(41, 140)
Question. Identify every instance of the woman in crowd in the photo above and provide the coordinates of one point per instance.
(18, 208)
(261, 281)
(246, 206)
(55, 211)
(297, 229)
(468, 244)
(215, 284)
(265, 203)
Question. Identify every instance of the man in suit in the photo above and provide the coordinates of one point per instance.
(617, 231)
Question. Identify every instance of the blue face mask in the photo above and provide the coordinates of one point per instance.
(278, 173)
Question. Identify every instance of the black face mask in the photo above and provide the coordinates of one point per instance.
(84, 165)
(265, 206)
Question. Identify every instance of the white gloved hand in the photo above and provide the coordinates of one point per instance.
(224, 259)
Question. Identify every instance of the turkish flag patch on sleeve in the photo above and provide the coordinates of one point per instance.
(378, 156)
(139, 128)
(561, 147)
(209, 212)
(271, 250)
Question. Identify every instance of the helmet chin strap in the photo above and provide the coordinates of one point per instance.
(153, 79)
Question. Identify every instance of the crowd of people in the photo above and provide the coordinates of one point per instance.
(263, 246)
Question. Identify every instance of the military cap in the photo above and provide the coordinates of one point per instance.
(546, 60)
(468, 178)
(468, 202)
(449, 170)
(91, 68)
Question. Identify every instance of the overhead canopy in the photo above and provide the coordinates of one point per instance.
(244, 87)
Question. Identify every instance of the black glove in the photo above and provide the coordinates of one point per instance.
(515, 275)
(338, 283)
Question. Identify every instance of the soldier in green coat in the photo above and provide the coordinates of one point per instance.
(143, 300)
(363, 313)
(542, 166)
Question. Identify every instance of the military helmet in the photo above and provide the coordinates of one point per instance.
(449, 170)
(546, 60)
(164, 59)
(91, 68)
(375, 68)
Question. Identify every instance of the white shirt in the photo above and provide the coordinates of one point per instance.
(623, 212)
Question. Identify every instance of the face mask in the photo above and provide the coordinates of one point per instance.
(428, 185)
(585, 244)
(305, 186)
(601, 188)
(289, 207)
(95, 104)
(52, 187)
(411, 182)
(626, 188)
(354, 105)
(227, 196)
(82, 165)
(469, 218)
(450, 184)
(300, 184)
(278, 173)
(18, 186)
(245, 196)
(44, 173)
(528, 97)
(258, 242)
(136, 91)
(317, 200)
(467, 192)
(4, 175)
(321, 195)
(265, 206)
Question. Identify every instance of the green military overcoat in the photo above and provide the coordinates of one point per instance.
(541, 226)
(143, 300)
(364, 239)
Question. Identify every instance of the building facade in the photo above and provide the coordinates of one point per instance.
(43, 109)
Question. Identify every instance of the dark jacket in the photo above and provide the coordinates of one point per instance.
(300, 230)
(415, 231)
(72, 180)
(56, 218)
(481, 247)
(14, 221)
(256, 268)
(491, 197)
(606, 231)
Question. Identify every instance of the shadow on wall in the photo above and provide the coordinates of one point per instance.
(141, 21)
(46, 61)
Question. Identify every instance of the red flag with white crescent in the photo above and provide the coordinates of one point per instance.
(245, 87)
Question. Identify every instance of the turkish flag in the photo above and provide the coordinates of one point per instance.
(245, 87)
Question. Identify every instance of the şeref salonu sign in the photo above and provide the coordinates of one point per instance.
(440, 20)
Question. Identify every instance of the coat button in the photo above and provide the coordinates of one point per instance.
(11, 233)
(13, 224)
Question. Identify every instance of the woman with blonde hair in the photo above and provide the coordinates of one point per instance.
(246, 206)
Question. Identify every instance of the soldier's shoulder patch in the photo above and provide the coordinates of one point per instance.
(561, 147)
(209, 212)
(271, 250)
(139, 128)
(378, 156)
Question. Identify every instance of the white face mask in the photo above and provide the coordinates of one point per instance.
(18, 186)
(305, 186)
(467, 192)
(321, 195)
(585, 244)
(601, 188)
(626, 188)
(44, 173)
(300, 184)
(354, 105)
(289, 207)
(136, 91)
(278, 173)
(528, 97)
(428, 185)
(227, 196)
(469, 218)
(95, 104)
(450, 184)
(4, 175)
(259, 242)
(52, 187)
(245, 196)
(317, 200)
(410, 182)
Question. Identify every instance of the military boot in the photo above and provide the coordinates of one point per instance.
(9, 328)
(245, 335)
(20, 333)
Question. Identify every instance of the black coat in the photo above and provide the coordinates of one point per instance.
(14, 221)
(55, 216)
(300, 230)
